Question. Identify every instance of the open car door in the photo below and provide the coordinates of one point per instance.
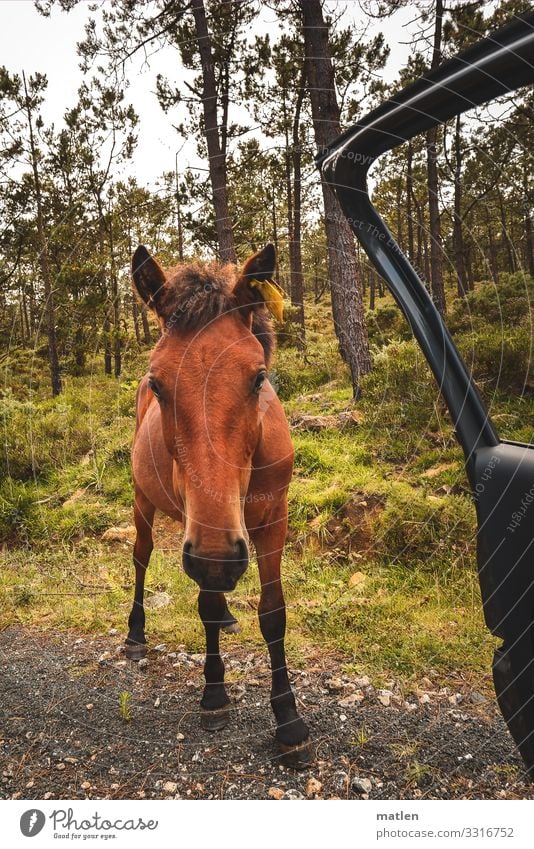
(500, 473)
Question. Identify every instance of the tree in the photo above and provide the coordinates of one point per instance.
(347, 298)
(19, 107)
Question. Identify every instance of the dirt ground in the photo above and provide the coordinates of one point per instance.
(66, 731)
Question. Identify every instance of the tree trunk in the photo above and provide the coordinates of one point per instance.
(347, 301)
(458, 231)
(146, 326)
(216, 157)
(275, 237)
(409, 193)
(529, 233)
(295, 250)
(436, 267)
(135, 318)
(55, 376)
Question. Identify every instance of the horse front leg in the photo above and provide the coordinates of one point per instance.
(143, 518)
(215, 703)
(292, 733)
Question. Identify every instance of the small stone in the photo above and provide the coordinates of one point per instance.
(343, 717)
(363, 681)
(238, 692)
(104, 657)
(90, 706)
(48, 795)
(71, 760)
(424, 699)
(199, 659)
(157, 702)
(477, 698)
(340, 780)
(158, 601)
(60, 766)
(334, 685)
(170, 787)
(293, 794)
(143, 663)
(113, 632)
(126, 534)
(161, 647)
(85, 785)
(275, 792)
(313, 787)
(384, 697)
(357, 579)
(180, 736)
(361, 785)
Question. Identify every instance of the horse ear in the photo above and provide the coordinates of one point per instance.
(148, 277)
(254, 285)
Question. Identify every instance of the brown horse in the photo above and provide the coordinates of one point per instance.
(212, 449)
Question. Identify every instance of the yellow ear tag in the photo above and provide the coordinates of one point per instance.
(272, 294)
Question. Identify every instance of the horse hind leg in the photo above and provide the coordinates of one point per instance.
(135, 643)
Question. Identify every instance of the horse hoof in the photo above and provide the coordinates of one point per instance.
(215, 720)
(231, 628)
(297, 757)
(135, 651)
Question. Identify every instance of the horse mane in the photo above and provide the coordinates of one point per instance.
(197, 293)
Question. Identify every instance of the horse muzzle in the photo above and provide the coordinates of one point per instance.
(215, 573)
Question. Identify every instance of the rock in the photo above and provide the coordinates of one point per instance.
(352, 700)
(361, 785)
(348, 418)
(180, 736)
(72, 499)
(293, 794)
(477, 698)
(334, 685)
(358, 579)
(60, 766)
(343, 717)
(199, 659)
(315, 422)
(161, 647)
(113, 632)
(238, 692)
(313, 787)
(143, 663)
(362, 681)
(340, 781)
(85, 785)
(157, 702)
(104, 657)
(158, 601)
(424, 699)
(384, 697)
(120, 534)
(275, 792)
(90, 706)
(170, 787)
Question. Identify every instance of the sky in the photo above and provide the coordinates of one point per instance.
(31, 42)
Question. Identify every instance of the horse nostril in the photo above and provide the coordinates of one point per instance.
(241, 549)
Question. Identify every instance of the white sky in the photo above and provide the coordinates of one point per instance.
(31, 42)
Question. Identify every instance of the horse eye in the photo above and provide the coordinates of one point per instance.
(259, 381)
(153, 386)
